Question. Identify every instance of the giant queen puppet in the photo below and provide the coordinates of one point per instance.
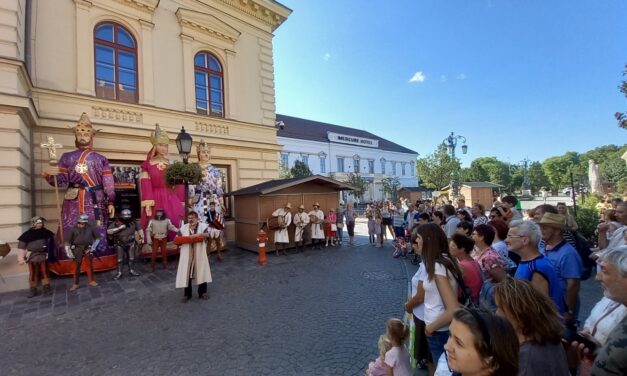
(210, 189)
(87, 178)
(155, 193)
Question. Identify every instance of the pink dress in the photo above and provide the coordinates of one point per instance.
(331, 218)
(155, 193)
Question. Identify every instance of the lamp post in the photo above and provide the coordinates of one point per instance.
(184, 145)
(526, 186)
(451, 144)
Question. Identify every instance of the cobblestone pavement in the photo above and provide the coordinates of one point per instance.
(314, 313)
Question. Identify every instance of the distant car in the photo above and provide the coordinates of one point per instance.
(567, 191)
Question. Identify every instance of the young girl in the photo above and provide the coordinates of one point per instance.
(378, 368)
(378, 229)
(370, 216)
(397, 358)
(400, 249)
(329, 224)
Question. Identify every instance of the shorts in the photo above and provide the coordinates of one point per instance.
(399, 231)
(436, 343)
(386, 221)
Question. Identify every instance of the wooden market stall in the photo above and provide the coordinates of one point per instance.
(481, 192)
(253, 205)
(412, 194)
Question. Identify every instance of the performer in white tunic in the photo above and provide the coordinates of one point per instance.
(301, 220)
(193, 261)
(281, 236)
(316, 218)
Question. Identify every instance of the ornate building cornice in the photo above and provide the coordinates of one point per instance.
(207, 24)
(143, 5)
(269, 12)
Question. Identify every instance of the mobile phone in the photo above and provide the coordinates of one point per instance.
(588, 343)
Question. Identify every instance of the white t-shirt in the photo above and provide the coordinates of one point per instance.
(421, 275)
(398, 358)
(434, 305)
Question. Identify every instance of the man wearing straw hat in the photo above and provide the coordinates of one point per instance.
(316, 218)
(301, 220)
(566, 263)
(281, 236)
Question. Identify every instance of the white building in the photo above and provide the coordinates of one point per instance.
(335, 151)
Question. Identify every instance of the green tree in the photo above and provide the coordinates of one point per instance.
(537, 177)
(435, 169)
(558, 170)
(300, 170)
(621, 117)
(358, 182)
(390, 187)
(284, 171)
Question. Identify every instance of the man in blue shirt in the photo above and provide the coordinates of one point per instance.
(566, 262)
(523, 239)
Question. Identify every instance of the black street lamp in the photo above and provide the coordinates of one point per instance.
(451, 144)
(184, 145)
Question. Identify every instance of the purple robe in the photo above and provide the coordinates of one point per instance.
(97, 180)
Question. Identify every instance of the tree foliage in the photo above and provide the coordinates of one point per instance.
(358, 182)
(300, 170)
(435, 169)
(558, 170)
(284, 171)
(390, 187)
(621, 117)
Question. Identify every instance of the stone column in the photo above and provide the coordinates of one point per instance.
(84, 49)
(147, 91)
(188, 73)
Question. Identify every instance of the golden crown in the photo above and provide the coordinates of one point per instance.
(159, 136)
(83, 125)
(202, 146)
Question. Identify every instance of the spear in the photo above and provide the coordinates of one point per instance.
(52, 154)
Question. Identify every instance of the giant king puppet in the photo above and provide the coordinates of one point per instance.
(87, 178)
(155, 193)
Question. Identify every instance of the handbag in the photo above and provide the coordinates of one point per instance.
(340, 225)
(333, 227)
(71, 193)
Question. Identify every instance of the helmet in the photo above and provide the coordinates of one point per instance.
(83, 218)
(36, 220)
(126, 214)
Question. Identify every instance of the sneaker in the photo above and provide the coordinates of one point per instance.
(93, 283)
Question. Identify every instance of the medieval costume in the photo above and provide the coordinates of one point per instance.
(154, 191)
(89, 182)
(210, 189)
(193, 262)
(157, 236)
(316, 218)
(33, 247)
(81, 241)
(216, 226)
(125, 233)
(301, 220)
(281, 236)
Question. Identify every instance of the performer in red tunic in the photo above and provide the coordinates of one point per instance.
(154, 191)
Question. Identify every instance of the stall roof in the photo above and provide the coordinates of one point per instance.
(477, 184)
(278, 184)
(414, 189)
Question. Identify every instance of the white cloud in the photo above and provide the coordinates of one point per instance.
(461, 76)
(418, 77)
(326, 56)
(443, 78)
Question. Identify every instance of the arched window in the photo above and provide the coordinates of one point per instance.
(209, 84)
(115, 53)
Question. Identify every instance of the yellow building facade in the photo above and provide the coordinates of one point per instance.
(130, 64)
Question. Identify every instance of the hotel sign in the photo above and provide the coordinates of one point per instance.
(353, 140)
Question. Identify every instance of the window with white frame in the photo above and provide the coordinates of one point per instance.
(305, 159)
(285, 159)
(412, 168)
(323, 162)
(356, 166)
(403, 168)
(393, 168)
(371, 166)
(340, 164)
(382, 160)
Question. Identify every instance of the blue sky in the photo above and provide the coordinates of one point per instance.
(532, 78)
